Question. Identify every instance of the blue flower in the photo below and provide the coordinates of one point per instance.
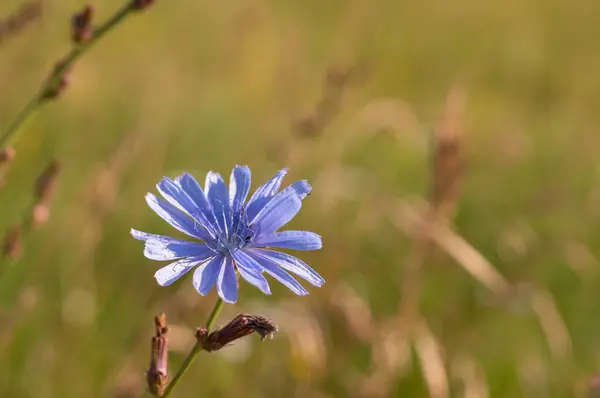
(232, 235)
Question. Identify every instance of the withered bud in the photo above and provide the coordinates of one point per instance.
(40, 214)
(6, 155)
(447, 159)
(142, 4)
(81, 25)
(157, 374)
(241, 326)
(24, 16)
(309, 125)
(12, 242)
(57, 82)
(336, 77)
(46, 183)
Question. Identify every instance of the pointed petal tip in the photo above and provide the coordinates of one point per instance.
(139, 235)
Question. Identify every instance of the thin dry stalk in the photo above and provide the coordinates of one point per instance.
(444, 182)
(157, 374)
(552, 324)
(430, 357)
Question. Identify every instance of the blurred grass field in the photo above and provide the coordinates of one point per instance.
(200, 86)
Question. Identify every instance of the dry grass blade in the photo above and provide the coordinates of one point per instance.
(472, 376)
(405, 217)
(552, 324)
(355, 310)
(432, 364)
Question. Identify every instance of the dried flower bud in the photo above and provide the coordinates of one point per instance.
(142, 4)
(57, 82)
(12, 242)
(81, 25)
(24, 16)
(46, 183)
(6, 155)
(40, 214)
(241, 326)
(157, 374)
(447, 161)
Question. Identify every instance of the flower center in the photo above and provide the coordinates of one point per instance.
(238, 237)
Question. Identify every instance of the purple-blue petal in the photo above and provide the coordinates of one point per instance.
(239, 186)
(189, 184)
(301, 187)
(251, 271)
(174, 217)
(264, 193)
(164, 248)
(295, 240)
(278, 212)
(176, 196)
(289, 263)
(226, 282)
(143, 236)
(170, 273)
(205, 275)
(218, 197)
(280, 275)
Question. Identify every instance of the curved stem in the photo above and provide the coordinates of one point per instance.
(60, 71)
(187, 362)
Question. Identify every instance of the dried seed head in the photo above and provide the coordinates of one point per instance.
(12, 242)
(594, 387)
(157, 373)
(39, 215)
(142, 4)
(240, 326)
(58, 81)
(24, 16)
(46, 183)
(6, 155)
(447, 161)
(81, 25)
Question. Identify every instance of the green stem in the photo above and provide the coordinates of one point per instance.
(60, 71)
(194, 352)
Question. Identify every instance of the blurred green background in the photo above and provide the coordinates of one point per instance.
(346, 94)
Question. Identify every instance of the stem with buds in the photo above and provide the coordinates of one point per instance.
(195, 350)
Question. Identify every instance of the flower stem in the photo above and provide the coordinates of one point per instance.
(61, 70)
(195, 350)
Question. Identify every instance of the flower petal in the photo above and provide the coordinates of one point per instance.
(170, 273)
(165, 248)
(205, 276)
(301, 187)
(251, 271)
(239, 186)
(174, 217)
(139, 235)
(289, 263)
(283, 277)
(189, 184)
(295, 240)
(226, 282)
(263, 193)
(218, 197)
(175, 195)
(278, 212)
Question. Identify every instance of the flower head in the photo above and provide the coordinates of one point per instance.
(233, 235)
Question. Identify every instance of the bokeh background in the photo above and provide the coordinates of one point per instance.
(374, 102)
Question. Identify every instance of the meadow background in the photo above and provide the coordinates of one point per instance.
(347, 94)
